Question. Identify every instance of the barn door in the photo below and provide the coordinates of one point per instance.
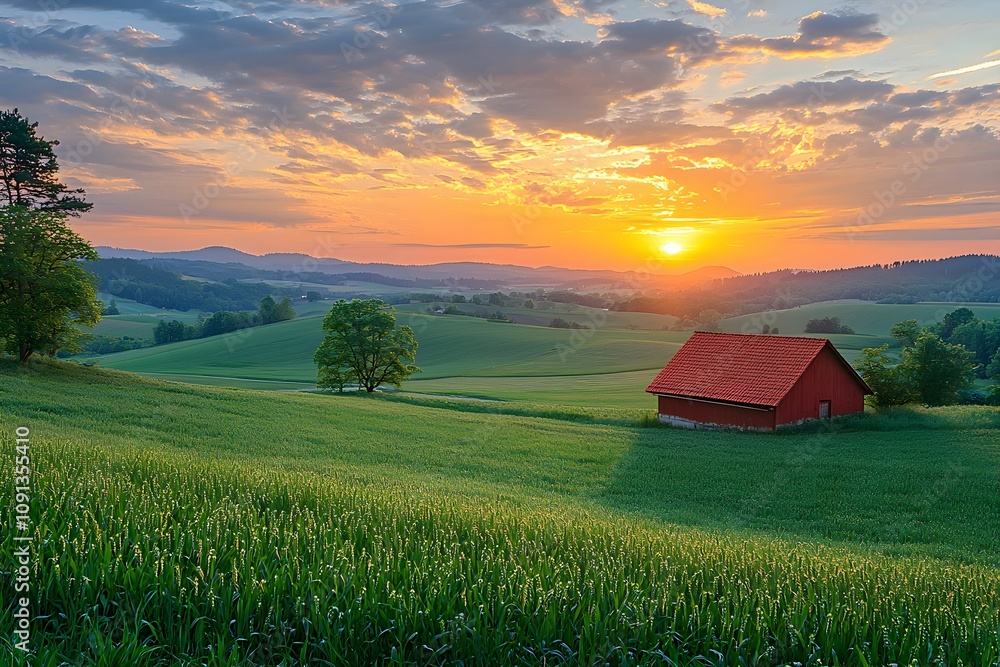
(824, 409)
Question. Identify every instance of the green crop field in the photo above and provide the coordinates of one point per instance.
(136, 319)
(538, 316)
(183, 525)
(450, 346)
(463, 356)
(863, 316)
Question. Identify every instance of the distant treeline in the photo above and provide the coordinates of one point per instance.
(159, 283)
(224, 321)
(221, 272)
(967, 278)
(145, 283)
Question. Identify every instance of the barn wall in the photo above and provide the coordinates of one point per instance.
(715, 413)
(826, 379)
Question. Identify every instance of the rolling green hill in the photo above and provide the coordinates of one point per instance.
(136, 319)
(450, 346)
(538, 316)
(864, 317)
(182, 525)
(458, 355)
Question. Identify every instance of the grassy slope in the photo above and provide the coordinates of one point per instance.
(514, 522)
(450, 346)
(696, 477)
(458, 355)
(863, 316)
(583, 316)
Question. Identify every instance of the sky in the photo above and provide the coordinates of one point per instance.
(630, 134)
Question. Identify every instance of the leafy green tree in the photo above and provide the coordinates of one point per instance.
(283, 311)
(938, 370)
(708, 320)
(830, 325)
(906, 332)
(272, 311)
(993, 370)
(312, 296)
(267, 307)
(43, 288)
(993, 393)
(888, 382)
(363, 344)
(29, 170)
(111, 309)
(953, 320)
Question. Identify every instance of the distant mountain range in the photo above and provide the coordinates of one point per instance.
(509, 274)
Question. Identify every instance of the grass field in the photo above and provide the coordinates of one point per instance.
(204, 526)
(136, 319)
(863, 316)
(589, 317)
(458, 355)
(450, 347)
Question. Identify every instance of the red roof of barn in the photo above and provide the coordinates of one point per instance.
(751, 369)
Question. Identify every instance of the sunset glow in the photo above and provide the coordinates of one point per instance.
(672, 248)
(534, 133)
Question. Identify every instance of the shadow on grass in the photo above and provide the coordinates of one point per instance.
(914, 491)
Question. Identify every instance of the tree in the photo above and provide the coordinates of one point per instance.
(312, 296)
(888, 382)
(43, 288)
(906, 332)
(111, 309)
(271, 311)
(363, 344)
(829, 325)
(708, 320)
(937, 370)
(267, 306)
(953, 320)
(283, 311)
(28, 169)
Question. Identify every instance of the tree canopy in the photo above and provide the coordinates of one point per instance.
(931, 370)
(272, 311)
(43, 287)
(29, 170)
(363, 345)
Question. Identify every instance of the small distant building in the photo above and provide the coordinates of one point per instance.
(756, 381)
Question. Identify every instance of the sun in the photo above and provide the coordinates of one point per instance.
(671, 248)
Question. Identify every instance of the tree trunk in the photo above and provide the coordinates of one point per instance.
(25, 352)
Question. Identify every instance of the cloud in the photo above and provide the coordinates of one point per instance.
(820, 35)
(505, 246)
(991, 233)
(707, 9)
(965, 70)
(806, 96)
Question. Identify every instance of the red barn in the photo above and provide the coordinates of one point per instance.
(756, 382)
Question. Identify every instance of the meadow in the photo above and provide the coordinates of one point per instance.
(464, 356)
(136, 319)
(865, 317)
(183, 525)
